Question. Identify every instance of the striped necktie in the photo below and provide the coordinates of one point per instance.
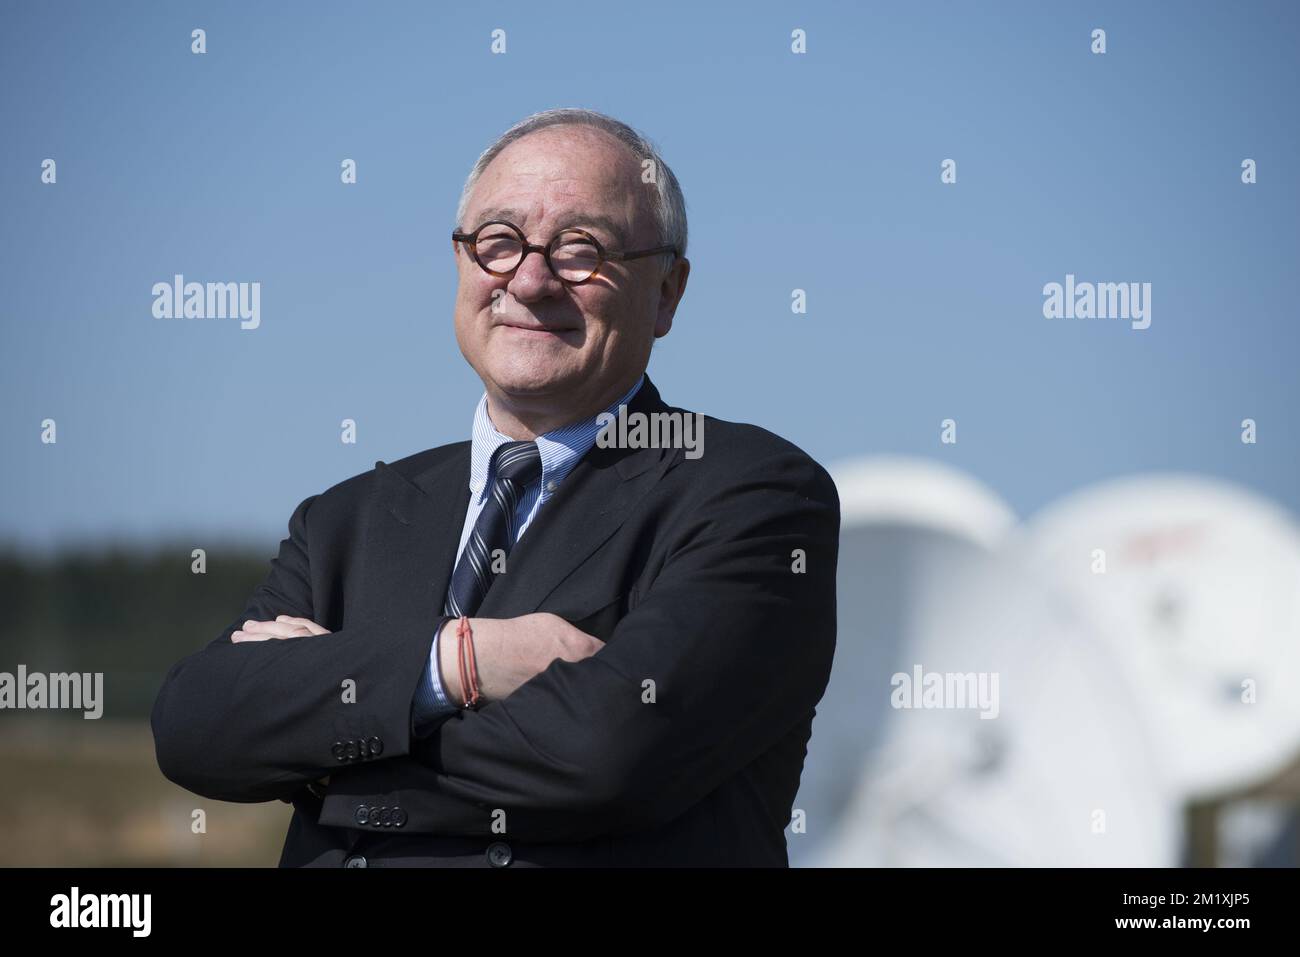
(514, 466)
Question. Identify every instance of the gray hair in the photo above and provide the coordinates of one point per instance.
(668, 203)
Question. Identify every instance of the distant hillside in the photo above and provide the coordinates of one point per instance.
(129, 614)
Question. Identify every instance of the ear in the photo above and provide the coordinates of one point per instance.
(671, 290)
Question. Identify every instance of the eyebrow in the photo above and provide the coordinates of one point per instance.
(612, 227)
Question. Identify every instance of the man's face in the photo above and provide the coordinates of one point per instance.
(537, 343)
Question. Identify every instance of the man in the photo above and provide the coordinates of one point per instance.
(652, 627)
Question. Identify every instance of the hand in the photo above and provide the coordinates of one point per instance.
(510, 651)
(284, 626)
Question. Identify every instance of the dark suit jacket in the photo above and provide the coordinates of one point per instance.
(681, 742)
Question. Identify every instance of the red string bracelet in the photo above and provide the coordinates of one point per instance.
(468, 671)
(460, 659)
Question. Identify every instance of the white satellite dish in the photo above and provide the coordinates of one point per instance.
(1200, 602)
(908, 528)
(898, 490)
(1059, 777)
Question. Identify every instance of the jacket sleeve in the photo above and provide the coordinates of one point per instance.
(255, 721)
(728, 649)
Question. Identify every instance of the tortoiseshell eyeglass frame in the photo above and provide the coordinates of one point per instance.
(603, 255)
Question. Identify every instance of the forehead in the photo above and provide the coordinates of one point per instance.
(556, 173)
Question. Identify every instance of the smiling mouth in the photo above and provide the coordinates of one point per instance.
(536, 330)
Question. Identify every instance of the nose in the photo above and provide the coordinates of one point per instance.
(533, 279)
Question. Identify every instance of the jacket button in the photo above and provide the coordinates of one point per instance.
(376, 747)
(499, 855)
(339, 751)
(363, 815)
(356, 860)
(399, 817)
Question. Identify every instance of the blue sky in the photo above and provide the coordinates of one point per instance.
(224, 166)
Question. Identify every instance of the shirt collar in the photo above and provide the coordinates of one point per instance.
(561, 448)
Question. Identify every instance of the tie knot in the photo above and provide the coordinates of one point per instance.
(519, 462)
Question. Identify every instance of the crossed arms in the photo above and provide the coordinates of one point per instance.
(728, 649)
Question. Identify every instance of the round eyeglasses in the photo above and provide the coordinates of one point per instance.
(573, 255)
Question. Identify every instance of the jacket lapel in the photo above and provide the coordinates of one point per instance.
(415, 536)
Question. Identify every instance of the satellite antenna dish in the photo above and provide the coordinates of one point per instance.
(1199, 600)
(908, 526)
(899, 490)
(1056, 778)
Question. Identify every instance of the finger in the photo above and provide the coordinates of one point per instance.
(307, 623)
(311, 626)
(253, 625)
(275, 629)
(249, 636)
(266, 636)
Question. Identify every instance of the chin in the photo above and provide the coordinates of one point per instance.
(516, 377)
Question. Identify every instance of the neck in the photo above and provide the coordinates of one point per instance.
(527, 417)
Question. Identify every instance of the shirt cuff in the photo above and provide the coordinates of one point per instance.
(431, 702)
